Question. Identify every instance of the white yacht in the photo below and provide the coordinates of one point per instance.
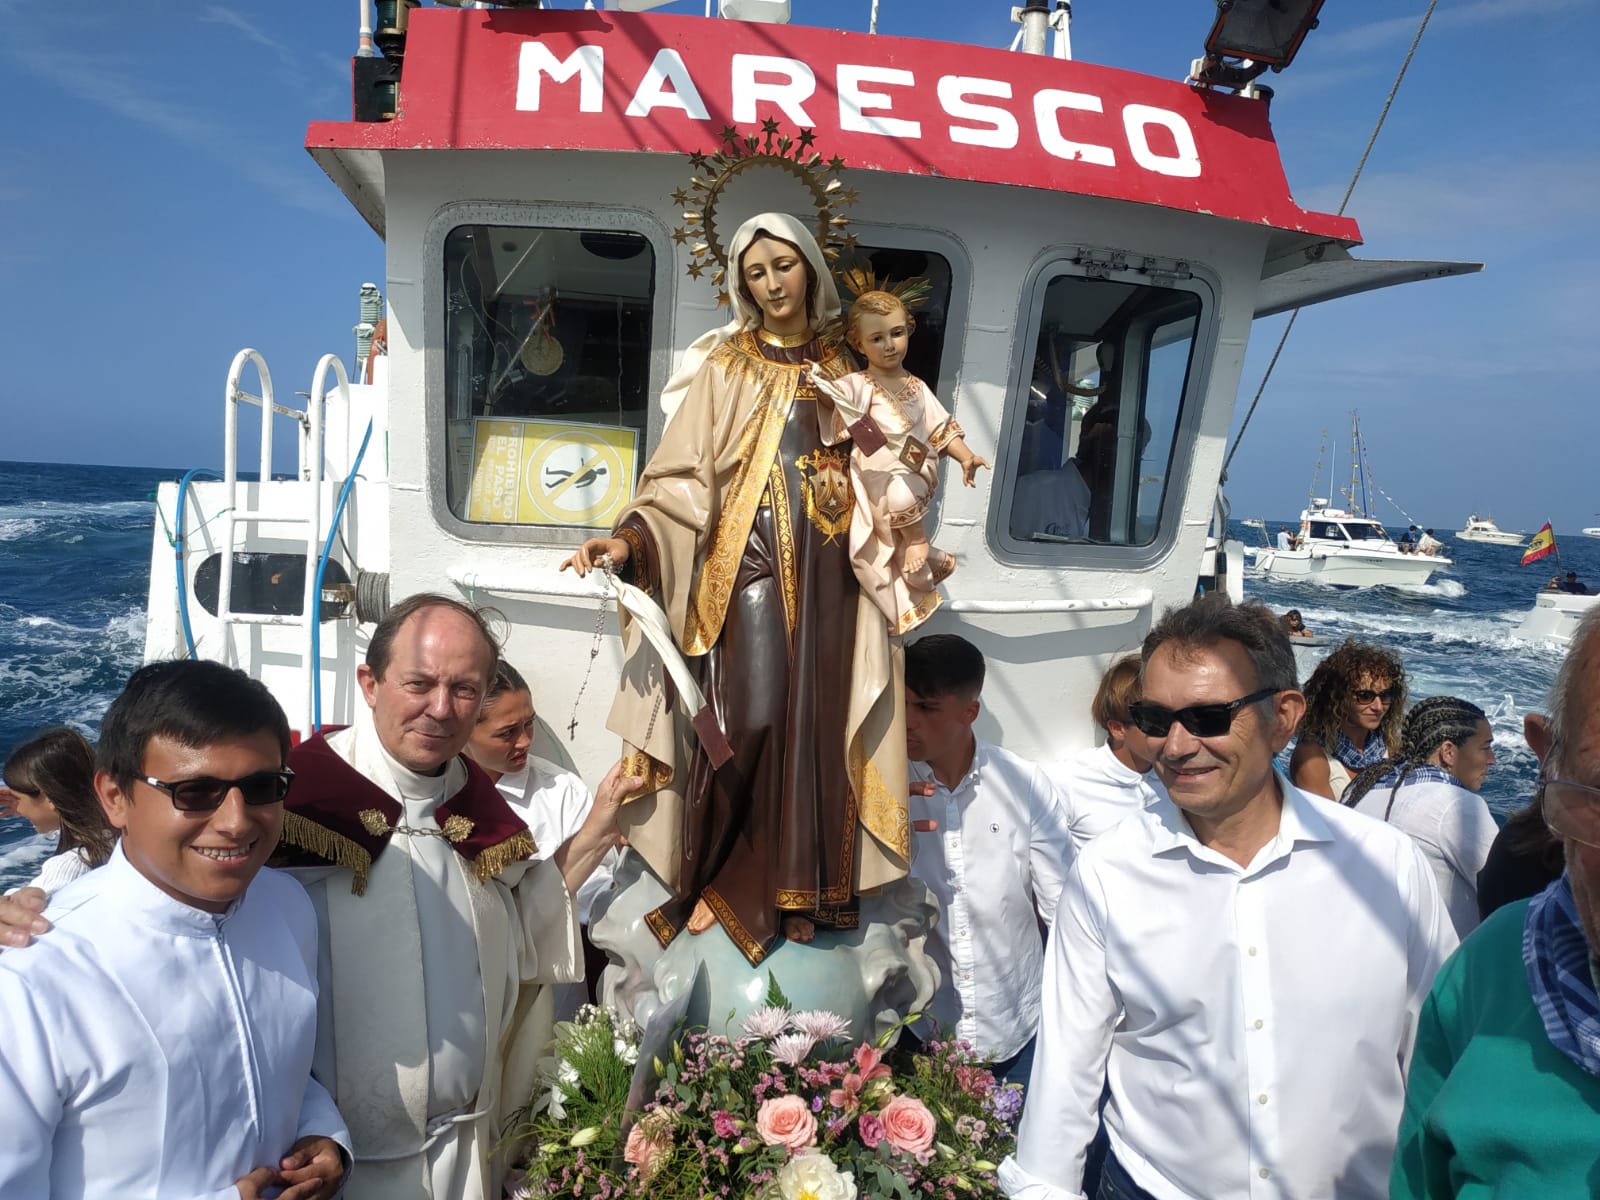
(1345, 550)
(1483, 529)
(1555, 616)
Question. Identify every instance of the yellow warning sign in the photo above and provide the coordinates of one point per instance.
(551, 473)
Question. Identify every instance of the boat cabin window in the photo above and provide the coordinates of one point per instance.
(1327, 529)
(1362, 531)
(1091, 449)
(547, 372)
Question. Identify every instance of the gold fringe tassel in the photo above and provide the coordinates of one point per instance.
(326, 844)
(498, 857)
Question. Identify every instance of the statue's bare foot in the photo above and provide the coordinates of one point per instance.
(914, 557)
(702, 918)
(798, 929)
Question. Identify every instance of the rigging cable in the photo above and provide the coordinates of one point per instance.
(1360, 166)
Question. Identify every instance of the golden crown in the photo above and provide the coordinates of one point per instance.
(740, 153)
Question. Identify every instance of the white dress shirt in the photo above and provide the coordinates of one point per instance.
(998, 857)
(1099, 791)
(555, 802)
(1454, 829)
(1254, 1022)
(155, 1050)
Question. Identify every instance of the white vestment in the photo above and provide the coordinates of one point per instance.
(419, 1032)
(155, 1050)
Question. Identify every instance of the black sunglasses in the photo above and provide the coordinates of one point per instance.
(1202, 720)
(1366, 695)
(206, 794)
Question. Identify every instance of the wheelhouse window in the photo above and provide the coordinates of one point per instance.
(547, 372)
(1364, 532)
(1090, 446)
(1327, 530)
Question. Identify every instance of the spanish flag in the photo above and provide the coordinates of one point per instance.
(1540, 545)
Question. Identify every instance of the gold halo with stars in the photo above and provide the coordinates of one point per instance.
(741, 153)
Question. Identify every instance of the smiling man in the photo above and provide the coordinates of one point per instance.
(435, 913)
(1243, 962)
(159, 1042)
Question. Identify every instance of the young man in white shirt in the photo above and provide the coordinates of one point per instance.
(1103, 784)
(1242, 961)
(159, 1041)
(992, 844)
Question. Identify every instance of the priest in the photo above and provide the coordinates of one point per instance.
(433, 914)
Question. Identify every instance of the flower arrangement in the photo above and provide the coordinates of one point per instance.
(787, 1109)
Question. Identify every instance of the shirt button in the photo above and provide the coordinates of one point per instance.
(1259, 1024)
(1262, 1098)
(1252, 952)
(1264, 1173)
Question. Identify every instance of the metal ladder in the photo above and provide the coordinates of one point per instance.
(310, 423)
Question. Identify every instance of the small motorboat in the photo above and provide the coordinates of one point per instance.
(1483, 529)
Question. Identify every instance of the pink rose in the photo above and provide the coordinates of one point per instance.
(786, 1121)
(908, 1126)
(871, 1130)
(647, 1153)
(723, 1123)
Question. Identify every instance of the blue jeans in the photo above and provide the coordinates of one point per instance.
(1116, 1185)
(1017, 1068)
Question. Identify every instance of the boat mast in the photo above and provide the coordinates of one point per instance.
(1355, 461)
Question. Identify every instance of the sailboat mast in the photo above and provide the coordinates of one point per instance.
(1355, 459)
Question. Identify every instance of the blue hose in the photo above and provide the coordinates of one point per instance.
(316, 592)
(177, 552)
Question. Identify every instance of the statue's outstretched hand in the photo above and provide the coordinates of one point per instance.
(589, 554)
(969, 469)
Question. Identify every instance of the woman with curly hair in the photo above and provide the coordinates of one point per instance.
(1353, 704)
(1430, 790)
(49, 782)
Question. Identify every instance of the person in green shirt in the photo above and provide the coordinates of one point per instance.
(1503, 1094)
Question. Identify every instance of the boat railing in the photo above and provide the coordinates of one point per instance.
(306, 515)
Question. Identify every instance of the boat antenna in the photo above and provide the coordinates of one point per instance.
(1355, 462)
(1383, 115)
(1316, 476)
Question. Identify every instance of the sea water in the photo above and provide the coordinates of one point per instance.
(75, 547)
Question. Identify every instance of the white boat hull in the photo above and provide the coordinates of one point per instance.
(1348, 568)
(1592, 531)
(1500, 538)
(1554, 617)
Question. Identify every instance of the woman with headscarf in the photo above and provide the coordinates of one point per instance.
(739, 530)
(1429, 788)
(1353, 704)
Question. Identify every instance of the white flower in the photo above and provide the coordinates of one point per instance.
(551, 1103)
(625, 1050)
(519, 1187)
(767, 1023)
(813, 1176)
(566, 1072)
(821, 1026)
(791, 1048)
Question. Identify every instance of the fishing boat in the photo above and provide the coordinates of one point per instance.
(552, 187)
(1347, 548)
(1483, 529)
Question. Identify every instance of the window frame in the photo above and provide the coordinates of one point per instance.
(533, 215)
(1097, 263)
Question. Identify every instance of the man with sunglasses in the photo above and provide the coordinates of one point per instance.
(1241, 962)
(159, 1042)
(1503, 1097)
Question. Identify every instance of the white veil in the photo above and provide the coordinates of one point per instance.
(825, 305)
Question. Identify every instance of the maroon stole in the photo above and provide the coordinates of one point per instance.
(335, 814)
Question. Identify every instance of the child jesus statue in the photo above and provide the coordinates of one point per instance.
(899, 429)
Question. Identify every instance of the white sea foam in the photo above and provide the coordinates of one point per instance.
(14, 529)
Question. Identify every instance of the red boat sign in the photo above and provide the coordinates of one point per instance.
(596, 80)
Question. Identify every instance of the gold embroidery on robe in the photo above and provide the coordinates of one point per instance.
(788, 572)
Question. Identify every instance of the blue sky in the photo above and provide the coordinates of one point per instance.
(158, 212)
